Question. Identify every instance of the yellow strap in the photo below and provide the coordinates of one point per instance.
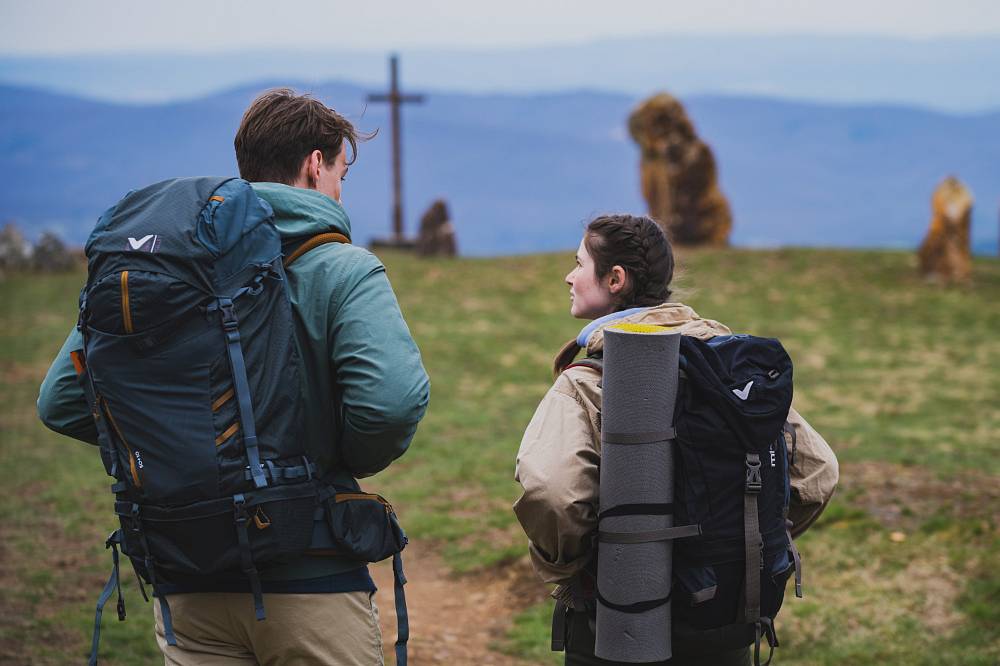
(121, 436)
(348, 497)
(221, 400)
(78, 363)
(126, 313)
(315, 242)
(230, 431)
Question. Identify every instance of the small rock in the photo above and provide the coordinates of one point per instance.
(898, 537)
(437, 233)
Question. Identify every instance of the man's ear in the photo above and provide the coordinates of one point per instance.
(616, 279)
(309, 174)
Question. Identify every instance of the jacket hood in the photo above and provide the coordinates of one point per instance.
(301, 212)
(668, 314)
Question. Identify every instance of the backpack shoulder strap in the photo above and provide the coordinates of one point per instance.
(314, 242)
(592, 362)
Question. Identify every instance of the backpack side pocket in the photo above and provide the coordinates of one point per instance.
(365, 526)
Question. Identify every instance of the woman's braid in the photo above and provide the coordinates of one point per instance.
(638, 245)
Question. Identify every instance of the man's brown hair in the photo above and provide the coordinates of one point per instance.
(280, 129)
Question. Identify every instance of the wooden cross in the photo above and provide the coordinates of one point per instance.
(395, 100)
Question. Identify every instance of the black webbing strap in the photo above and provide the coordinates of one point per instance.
(651, 509)
(108, 456)
(795, 560)
(114, 583)
(667, 534)
(764, 627)
(789, 429)
(559, 626)
(402, 618)
(638, 437)
(754, 544)
(638, 607)
(168, 621)
(246, 556)
(591, 362)
(273, 473)
(231, 328)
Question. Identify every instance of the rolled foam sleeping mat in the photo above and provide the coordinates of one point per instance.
(637, 468)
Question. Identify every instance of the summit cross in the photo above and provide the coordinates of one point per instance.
(396, 99)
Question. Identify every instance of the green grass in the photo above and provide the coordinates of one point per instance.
(901, 377)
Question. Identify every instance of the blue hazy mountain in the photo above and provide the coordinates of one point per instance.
(952, 73)
(522, 173)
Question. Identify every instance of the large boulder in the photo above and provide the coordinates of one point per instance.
(679, 178)
(15, 250)
(437, 234)
(945, 254)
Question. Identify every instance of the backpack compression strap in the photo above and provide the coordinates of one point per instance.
(314, 242)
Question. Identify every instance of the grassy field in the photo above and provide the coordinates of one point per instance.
(901, 377)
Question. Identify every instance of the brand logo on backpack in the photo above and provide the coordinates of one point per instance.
(743, 393)
(149, 243)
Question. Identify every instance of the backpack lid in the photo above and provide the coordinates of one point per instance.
(202, 230)
(747, 379)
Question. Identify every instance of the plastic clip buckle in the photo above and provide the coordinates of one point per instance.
(228, 310)
(754, 480)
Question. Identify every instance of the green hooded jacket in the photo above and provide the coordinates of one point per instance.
(364, 388)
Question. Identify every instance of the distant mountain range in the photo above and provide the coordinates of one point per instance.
(522, 173)
(958, 74)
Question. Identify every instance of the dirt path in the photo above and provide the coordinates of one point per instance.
(455, 618)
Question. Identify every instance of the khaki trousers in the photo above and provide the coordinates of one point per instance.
(219, 629)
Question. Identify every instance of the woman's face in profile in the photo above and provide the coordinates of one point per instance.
(590, 297)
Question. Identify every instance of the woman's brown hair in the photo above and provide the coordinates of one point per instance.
(638, 245)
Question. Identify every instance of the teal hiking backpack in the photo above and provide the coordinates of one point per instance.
(190, 369)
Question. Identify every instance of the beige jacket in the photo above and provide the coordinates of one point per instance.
(558, 462)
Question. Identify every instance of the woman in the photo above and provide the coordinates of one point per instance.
(624, 266)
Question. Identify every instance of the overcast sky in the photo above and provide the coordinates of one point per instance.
(101, 26)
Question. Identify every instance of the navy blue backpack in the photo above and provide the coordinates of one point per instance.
(731, 479)
(189, 366)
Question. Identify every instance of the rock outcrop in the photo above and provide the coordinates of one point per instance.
(15, 250)
(679, 177)
(51, 255)
(945, 253)
(437, 234)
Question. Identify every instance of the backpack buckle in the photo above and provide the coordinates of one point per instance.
(754, 480)
(228, 311)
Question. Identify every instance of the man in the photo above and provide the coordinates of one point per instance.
(363, 390)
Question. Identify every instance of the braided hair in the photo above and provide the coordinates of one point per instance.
(638, 245)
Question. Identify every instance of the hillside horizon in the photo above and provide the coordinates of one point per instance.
(950, 73)
(862, 175)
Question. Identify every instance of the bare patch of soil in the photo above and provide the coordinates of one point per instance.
(13, 372)
(454, 619)
(903, 497)
(27, 604)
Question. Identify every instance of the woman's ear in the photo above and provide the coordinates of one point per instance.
(616, 279)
